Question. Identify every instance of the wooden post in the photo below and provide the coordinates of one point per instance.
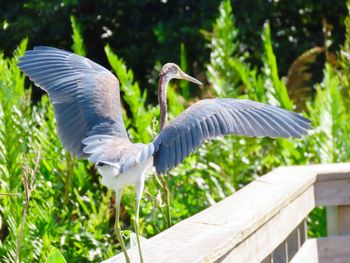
(338, 220)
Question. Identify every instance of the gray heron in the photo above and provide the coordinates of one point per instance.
(86, 102)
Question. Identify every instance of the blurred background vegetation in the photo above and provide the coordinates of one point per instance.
(285, 53)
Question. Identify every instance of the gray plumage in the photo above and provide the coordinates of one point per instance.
(210, 118)
(84, 94)
(87, 108)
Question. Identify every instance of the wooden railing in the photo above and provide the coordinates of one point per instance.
(266, 221)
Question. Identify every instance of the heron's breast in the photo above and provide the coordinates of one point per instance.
(114, 180)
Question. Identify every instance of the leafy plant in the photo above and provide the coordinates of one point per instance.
(223, 45)
(277, 91)
(70, 214)
(55, 256)
(78, 43)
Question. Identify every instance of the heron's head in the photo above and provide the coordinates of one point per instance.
(172, 71)
(169, 71)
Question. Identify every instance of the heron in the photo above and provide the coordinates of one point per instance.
(86, 101)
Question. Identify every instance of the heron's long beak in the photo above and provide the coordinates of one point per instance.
(183, 75)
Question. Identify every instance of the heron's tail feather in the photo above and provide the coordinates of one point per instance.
(116, 152)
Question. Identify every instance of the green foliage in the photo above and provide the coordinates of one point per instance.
(175, 102)
(144, 32)
(184, 85)
(78, 42)
(243, 159)
(331, 119)
(55, 256)
(223, 45)
(141, 115)
(71, 215)
(275, 87)
(14, 104)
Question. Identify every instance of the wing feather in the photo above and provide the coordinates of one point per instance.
(211, 127)
(85, 95)
(210, 118)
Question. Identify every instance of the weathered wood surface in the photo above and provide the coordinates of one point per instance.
(344, 220)
(338, 220)
(307, 253)
(270, 234)
(333, 192)
(289, 247)
(250, 223)
(334, 249)
(324, 250)
(333, 184)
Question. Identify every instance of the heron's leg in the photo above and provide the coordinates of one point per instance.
(117, 229)
(139, 191)
(167, 198)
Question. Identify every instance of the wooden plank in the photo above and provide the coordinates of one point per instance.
(344, 220)
(269, 236)
(332, 220)
(307, 253)
(332, 192)
(338, 220)
(327, 176)
(334, 249)
(208, 235)
(334, 171)
(324, 250)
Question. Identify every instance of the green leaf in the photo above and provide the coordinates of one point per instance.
(224, 44)
(274, 85)
(78, 42)
(184, 85)
(55, 256)
(173, 101)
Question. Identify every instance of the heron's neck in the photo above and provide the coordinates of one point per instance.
(162, 99)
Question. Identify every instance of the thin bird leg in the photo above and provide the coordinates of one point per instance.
(139, 191)
(117, 229)
(167, 198)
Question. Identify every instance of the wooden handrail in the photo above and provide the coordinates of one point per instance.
(250, 224)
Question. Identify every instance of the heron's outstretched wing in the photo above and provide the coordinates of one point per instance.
(84, 94)
(210, 118)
